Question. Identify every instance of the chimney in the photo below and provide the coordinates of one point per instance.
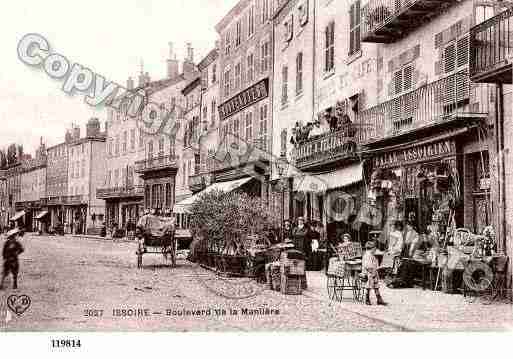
(76, 133)
(218, 44)
(190, 53)
(146, 78)
(172, 63)
(142, 77)
(188, 65)
(130, 83)
(67, 136)
(93, 127)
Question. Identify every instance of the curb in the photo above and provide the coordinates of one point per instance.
(401, 327)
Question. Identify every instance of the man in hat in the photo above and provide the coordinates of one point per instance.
(370, 273)
(12, 249)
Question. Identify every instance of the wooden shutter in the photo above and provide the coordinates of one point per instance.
(398, 82)
(450, 58)
(408, 78)
(462, 46)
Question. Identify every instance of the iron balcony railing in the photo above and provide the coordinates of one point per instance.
(122, 191)
(77, 199)
(329, 146)
(55, 200)
(387, 20)
(492, 48)
(444, 100)
(156, 163)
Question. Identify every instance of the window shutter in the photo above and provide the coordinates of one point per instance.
(351, 27)
(398, 82)
(463, 51)
(408, 78)
(450, 58)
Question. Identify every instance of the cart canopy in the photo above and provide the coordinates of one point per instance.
(157, 226)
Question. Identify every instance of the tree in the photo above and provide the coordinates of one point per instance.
(12, 155)
(3, 159)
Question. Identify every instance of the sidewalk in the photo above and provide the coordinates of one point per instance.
(418, 310)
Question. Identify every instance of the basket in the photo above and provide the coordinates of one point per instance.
(291, 285)
(336, 267)
(273, 276)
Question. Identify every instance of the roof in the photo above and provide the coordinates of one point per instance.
(230, 16)
(191, 86)
(208, 59)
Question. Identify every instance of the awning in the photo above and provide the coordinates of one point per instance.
(41, 214)
(327, 181)
(18, 215)
(184, 206)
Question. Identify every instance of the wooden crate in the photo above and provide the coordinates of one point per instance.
(291, 285)
(292, 263)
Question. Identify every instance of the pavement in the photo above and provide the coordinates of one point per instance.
(82, 284)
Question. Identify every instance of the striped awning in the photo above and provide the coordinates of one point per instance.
(41, 214)
(319, 183)
(18, 215)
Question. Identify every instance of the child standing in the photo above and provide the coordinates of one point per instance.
(370, 272)
(12, 249)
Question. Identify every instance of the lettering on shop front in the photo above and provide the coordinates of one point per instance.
(246, 98)
(415, 154)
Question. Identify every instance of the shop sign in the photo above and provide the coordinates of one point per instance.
(244, 99)
(413, 154)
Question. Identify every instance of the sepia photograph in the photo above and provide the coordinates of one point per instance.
(311, 166)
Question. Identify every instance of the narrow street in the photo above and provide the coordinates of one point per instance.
(66, 277)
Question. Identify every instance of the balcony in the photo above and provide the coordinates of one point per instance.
(198, 182)
(386, 21)
(54, 201)
(156, 164)
(445, 101)
(120, 192)
(73, 200)
(491, 49)
(330, 147)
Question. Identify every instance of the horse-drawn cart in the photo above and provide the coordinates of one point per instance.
(156, 235)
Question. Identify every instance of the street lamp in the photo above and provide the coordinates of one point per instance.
(281, 166)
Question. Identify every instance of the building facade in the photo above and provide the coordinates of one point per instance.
(57, 182)
(3, 199)
(490, 65)
(245, 115)
(84, 212)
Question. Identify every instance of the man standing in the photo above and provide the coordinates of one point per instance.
(12, 249)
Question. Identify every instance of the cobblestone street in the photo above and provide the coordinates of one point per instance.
(65, 277)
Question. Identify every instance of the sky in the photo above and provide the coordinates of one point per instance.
(110, 37)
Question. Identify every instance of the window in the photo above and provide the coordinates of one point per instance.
(354, 28)
(150, 150)
(456, 54)
(238, 36)
(132, 138)
(265, 10)
(238, 74)
(214, 73)
(213, 112)
(249, 127)
(161, 147)
(172, 147)
(403, 80)
(251, 68)
(236, 127)
(117, 145)
(251, 20)
(266, 56)
(116, 178)
(141, 138)
(302, 10)
(262, 129)
(83, 169)
(283, 142)
(329, 48)
(110, 146)
(227, 43)
(226, 82)
(289, 29)
(284, 85)
(299, 73)
(125, 140)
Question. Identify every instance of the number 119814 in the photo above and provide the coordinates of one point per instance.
(66, 343)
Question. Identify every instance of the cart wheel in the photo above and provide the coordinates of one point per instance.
(488, 295)
(331, 283)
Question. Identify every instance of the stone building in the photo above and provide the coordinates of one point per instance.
(245, 115)
(490, 63)
(3, 198)
(57, 181)
(84, 213)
